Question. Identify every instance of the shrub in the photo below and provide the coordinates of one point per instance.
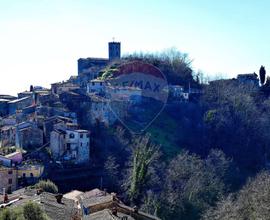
(47, 186)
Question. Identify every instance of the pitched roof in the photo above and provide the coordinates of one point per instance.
(19, 100)
(95, 197)
(58, 211)
(73, 194)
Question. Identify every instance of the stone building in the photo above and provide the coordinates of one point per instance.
(11, 159)
(58, 88)
(77, 205)
(177, 92)
(131, 95)
(100, 205)
(64, 122)
(7, 97)
(114, 50)
(100, 111)
(37, 96)
(28, 135)
(107, 111)
(29, 173)
(8, 178)
(88, 68)
(7, 135)
(250, 79)
(19, 104)
(70, 145)
(59, 208)
(3, 107)
(96, 86)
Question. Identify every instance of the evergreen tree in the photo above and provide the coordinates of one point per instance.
(262, 75)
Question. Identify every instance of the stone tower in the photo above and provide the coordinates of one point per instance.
(114, 50)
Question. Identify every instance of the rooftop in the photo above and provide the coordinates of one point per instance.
(247, 75)
(82, 131)
(4, 100)
(97, 80)
(29, 166)
(57, 210)
(95, 197)
(19, 100)
(13, 154)
(9, 97)
(94, 59)
(60, 131)
(73, 195)
(7, 127)
(26, 93)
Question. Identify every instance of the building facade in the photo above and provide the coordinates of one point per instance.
(8, 178)
(96, 86)
(70, 145)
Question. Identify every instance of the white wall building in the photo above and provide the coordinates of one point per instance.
(96, 86)
(70, 145)
(177, 92)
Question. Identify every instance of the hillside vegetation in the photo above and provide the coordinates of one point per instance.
(196, 159)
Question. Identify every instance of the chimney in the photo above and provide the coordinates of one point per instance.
(59, 198)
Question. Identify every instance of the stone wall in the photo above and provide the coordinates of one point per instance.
(8, 179)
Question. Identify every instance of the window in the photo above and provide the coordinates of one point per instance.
(9, 181)
(10, 172)
(81, 144)
(71, 135)
(93, 83)
(31, 174)
(24, 175)
(100, 83)
(81, 135)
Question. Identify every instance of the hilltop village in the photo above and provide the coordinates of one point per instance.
(40, 132)
(45, 132)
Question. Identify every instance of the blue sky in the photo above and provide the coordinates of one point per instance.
(41, 40)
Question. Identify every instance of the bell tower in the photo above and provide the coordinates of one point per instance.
(114, 50)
